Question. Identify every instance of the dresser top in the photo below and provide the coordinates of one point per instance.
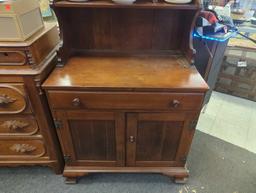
(128, 73)
(32, 39)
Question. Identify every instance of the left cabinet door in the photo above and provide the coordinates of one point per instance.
(92, 138)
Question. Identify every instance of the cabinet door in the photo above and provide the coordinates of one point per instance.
(158, 139)
(92, 138)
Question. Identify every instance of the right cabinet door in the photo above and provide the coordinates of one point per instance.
(159, 139)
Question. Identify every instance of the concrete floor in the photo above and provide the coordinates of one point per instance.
(215, 167)
(231, 119)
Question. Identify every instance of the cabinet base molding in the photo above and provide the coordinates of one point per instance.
(71, 180)
(180, 180)
(179, 174)
(54, 165)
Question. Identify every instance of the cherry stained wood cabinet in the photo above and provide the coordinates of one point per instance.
(112, 129)
(125, 96)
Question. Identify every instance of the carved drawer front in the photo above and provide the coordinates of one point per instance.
(12, 58)
(13, 99)
(125, 100)
(17, 125)
(22, 148)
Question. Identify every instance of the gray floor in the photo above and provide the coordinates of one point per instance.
(216, 167)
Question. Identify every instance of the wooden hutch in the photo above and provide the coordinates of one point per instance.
(126, 97)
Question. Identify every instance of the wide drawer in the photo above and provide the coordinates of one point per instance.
(124, 100)
(18, 125)
(13, 99)
(22, 148)
(12, 58)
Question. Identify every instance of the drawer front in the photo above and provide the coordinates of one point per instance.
(12, 58)
(25, 148)
(92, 100)
(13, 99)
(18, 125)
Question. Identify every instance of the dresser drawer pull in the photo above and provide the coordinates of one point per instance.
(5, 54)
(131, 139)
(175, 103)
(22, 148)
(76, 102)
(11, 58)
(5, 100)
(14, 125)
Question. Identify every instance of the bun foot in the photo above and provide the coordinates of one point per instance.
(180, 180)
(71, 180)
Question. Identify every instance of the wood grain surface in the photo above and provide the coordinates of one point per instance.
(127, 73)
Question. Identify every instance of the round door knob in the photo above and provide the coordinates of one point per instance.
(131, 139)
(76, 102)
(175, 103)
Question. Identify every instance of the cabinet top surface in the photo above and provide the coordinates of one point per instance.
(136, 73)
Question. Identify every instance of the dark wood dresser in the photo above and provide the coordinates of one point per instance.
(126, 98)
(27, 134)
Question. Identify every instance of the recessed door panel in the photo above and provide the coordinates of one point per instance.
(158, 140)
(92, 138)
(153, 139)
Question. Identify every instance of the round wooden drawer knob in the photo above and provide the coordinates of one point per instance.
(76, 102)
(175, 103)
